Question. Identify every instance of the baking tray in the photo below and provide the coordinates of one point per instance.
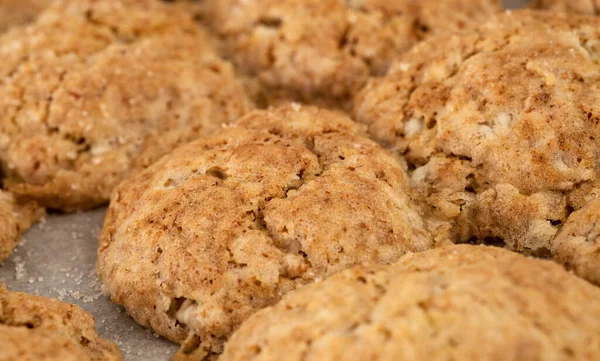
(57, 258)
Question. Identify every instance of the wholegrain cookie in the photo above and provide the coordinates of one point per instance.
(227, 224)
(577, 245)
(19, 12)
(15, 218)
(93, 91)
(34, 328)
(588, 7)
(499, 125)
(322, 50)
(469, 303)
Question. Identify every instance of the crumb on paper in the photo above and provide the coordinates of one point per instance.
(20, 271)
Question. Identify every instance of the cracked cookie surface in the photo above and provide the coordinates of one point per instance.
(442, 304)
(321, 51)
(15, 218)
(499, 126)
(227, 224)
(587, 7)
(36, 328)
(93, 91)
(19, 12)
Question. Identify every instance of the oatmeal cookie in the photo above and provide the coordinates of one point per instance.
(227, 224)
(468, 303)
(93, 91)
(577, 245)
(19, 12)
(588, 7)
(499, 125)
(36, 328)
(15, 218)
(322, 50)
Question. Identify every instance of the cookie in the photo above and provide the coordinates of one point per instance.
(320, 51)
(227, 224)
(455, 303)
(15, 218)
(44, 329)
(499, 126)
(96, 90)
(577, 245)
(19, 12)
(588, 7)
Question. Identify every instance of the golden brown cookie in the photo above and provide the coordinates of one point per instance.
(588, 7)
(36, 328)
(469, 303)
(19, 12)
(322, 50)
(15, 218)
(227, 224)
(499, 125)
(577, 245)
(96, 90)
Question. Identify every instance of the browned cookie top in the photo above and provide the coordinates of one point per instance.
(588, 7)
(469, 303)
(95, 90)
(227, 224)
(15, 218)
(499, 125)
(36, 328)
(320, 50)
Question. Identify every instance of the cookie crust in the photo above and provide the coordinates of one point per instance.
(498, 125)
(586, 7)
(321, 51)
(96, 90)
(15, 218)
(39, 328)
(227, 224)
(577, 245)
(435, 305)
(19, 12)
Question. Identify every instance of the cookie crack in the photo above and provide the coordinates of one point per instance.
(50, 102)
(199, 341)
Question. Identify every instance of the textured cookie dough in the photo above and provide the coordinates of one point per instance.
(35, 328)
(95, 90)
(227, 224)
(15, 218)
(18, 12)
(577, 245)
(499, 126)
(468, 303)
(588, 7)
(322, 50)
